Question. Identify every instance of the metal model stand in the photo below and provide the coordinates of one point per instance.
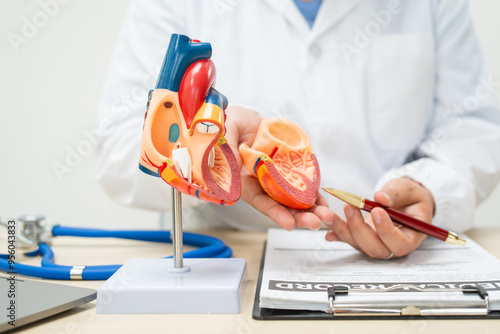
(175, 285)
(176, 234)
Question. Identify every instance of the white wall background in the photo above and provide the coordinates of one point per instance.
(49, 89)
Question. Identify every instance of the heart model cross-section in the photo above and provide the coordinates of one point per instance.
(183, 137)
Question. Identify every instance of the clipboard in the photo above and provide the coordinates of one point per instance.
(469, 302)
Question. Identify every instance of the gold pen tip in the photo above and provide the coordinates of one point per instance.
(454, 239)
(328, 189)
(352, 199)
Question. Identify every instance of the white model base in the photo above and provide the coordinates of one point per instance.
(155, 286)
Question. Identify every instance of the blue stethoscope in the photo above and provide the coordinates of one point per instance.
(38, 236)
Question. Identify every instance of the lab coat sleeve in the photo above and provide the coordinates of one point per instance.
(459, 158)
(141, 46)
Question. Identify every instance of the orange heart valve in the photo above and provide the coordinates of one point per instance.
(183, 137)
(283, 160)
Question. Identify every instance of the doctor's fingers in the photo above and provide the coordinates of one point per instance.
(400, 240)
(241, 127)
(321, 200)
(321, 210)
(244, 123)
(364, 235)
(339, 231)
(304, 219)
(402, 192)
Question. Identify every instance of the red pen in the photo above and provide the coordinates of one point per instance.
(399, 217)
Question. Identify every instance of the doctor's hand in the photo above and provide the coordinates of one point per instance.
(242, 125)
(377, 235)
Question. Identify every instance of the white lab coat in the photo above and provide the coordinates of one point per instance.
(384, 89)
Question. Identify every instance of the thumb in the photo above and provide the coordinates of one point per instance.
(383, 198)
(241, 128)
(399, 193)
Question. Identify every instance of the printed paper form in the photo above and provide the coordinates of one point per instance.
(301, 265)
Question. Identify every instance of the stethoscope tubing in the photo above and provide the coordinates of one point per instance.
(209, 247)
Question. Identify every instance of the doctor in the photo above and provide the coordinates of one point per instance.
(395, 96)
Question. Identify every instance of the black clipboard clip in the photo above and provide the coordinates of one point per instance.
(408, 300)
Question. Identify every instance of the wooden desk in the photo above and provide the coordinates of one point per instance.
(248, 245)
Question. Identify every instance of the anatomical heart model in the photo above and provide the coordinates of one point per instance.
(283, 160)
(183, 137)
